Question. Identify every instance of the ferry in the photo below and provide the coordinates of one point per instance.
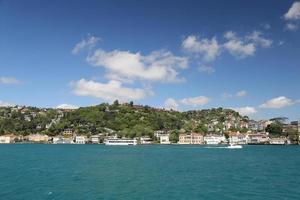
(117, 141)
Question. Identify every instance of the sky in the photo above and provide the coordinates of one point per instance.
(181, 55)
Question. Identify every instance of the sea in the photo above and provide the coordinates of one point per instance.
(71, 172)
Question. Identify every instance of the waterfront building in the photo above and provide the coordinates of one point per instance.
(158, 133)
(237, 138)
(192, 138)
(6, 139)
(164, 139)
(118, 141)
(259, 138)
(80, 139)
(95, 139)
(214, 139)
(146, 140)
(39, 138)
(62, 140)
(278, 141)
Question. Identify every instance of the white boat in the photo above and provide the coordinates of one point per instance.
(234, 146)
(117, 141)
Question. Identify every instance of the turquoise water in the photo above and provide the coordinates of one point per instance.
(32, 171)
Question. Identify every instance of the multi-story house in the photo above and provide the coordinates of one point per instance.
(192, 138)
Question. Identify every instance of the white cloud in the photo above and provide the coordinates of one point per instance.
(237, 46)
(242, 47)
(171, 103)
(209, 49)
(88, 43)
(241, 93)
(126, 66)
(257, 38)
(206, 69)
(108, 91)
(195, 101)
(6, 104)
(278, 102)
(291, 27)
(67, 106)
(9, 80)
(245, 110)
(294, 12)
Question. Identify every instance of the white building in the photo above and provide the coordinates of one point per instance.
(117, 141)
(95, 139)
(145, 140)
(278, 141)
(214, 139)
(259, 138)
(237, 138)
(5, 139)
(62, 140)
(164, 139)
(157, 134)
(80, 140)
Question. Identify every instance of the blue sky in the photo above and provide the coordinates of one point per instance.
(185, 55)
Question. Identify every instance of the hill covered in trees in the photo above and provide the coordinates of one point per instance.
(123, 119)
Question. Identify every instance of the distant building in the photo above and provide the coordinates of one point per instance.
(68, 132)
(237, 138)
(146, 140)
(5, 139)
(39, 138)
(278, 141)
(262, 124)
(253, 125)
(259, 138)
(164, 139)
(158, 133)
(62, 140)
(80, 139)
(214, 139)
(95, 139)
(192, 138)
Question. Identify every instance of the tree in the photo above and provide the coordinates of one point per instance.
(201, 129)
(131, 103)
(274, 128)
(116, 102)
(174, 136)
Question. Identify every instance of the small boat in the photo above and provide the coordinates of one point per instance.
(234, 146)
